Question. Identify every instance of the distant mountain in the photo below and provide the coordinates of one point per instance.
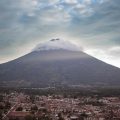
(57, 64)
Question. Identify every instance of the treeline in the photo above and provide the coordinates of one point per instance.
(66, 92)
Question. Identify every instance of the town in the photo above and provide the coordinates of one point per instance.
(20, 106)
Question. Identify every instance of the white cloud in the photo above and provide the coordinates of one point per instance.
(88, 2)
(57, 44)
(84, 10)
(54, 15)
(108, 55)
(71, 2)
(114, 51)
(53, 1)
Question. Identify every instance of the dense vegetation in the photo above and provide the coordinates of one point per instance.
(67, 92)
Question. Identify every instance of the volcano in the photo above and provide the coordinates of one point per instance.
(58, 62)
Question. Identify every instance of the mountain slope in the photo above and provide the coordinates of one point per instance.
(55, 67)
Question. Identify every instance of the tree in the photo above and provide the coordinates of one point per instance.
(34, 108)
(60, 116)
(110, 115)
(7, 105)
(83, 115)
(44, 118)
(1, 115)
(1, 107)
(29, 117)
(19, 109)
(32, 98)
(1, 98)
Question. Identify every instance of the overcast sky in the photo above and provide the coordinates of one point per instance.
(92, 24)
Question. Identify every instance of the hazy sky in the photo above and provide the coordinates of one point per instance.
(92, 24)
